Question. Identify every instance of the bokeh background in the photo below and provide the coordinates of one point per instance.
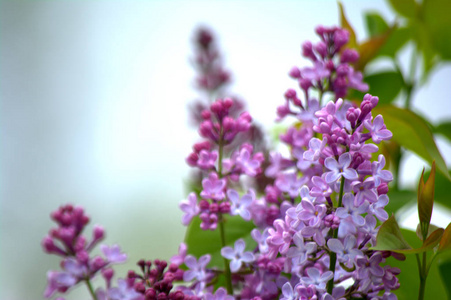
(93, 112)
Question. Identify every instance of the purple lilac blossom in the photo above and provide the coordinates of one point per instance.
(237, 256)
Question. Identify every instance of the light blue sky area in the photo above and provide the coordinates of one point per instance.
(93, 104)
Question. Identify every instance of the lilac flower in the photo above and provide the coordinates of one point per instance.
(346, 251)
(311, 214)
(364, 191)
(300, 253)
(370, 228)
(380, 175)
(288, 292)
(340, 168)
(289, 183)
(377, 208)
(318, 234)
(196, 268)
(190, 208)
(58, 281)
(378, 130)
(237, 256)
(316, 278)
(277, 164)
(350, 209)
(280, 238)
(207, 160)
(209, 221)
(113, 254)
(260, 238)
(124, 292)
(318, 72)
(248, 164)
(321, 188)
(180, 257)
(213, 187)
(220, 294)
(316, 146)
(240, 206)
(368, 270)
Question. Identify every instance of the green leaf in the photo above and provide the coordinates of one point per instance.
(409, 278)
(445, 242)
(428, 245)
(406, 8)
(386, 85)
(437, 22)
(413, 133)
(397, 39)
(201, 242)
(444, 129)
(346, 25)
(426, 199)
(375, 24)
(389, 237)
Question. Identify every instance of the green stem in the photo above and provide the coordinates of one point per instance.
(91, 290)
(333, 255)
(227, 272)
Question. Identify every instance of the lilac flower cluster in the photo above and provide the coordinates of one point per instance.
(68, 242)
(318, 217)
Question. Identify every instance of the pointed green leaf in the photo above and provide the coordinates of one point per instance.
(201, 242)
(375, 23)
(445, 243)
(444, 129)
(426, 200)
(390, 237)
(425, 47)
(413, 133)
(346, 25)
(406, 8)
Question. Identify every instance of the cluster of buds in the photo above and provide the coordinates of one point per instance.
(67, 241)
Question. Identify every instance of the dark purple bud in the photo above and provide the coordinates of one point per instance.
(321, 49)
(305, 84)
(341, 38)
(98, 232)
(290, 94)
(349, 56)
(307, 51)
(206, 114)
(203, 204)
(295, 72)
(228, 103)
(343, 70)
(224, 207)
(192, 159)
(382, 189)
